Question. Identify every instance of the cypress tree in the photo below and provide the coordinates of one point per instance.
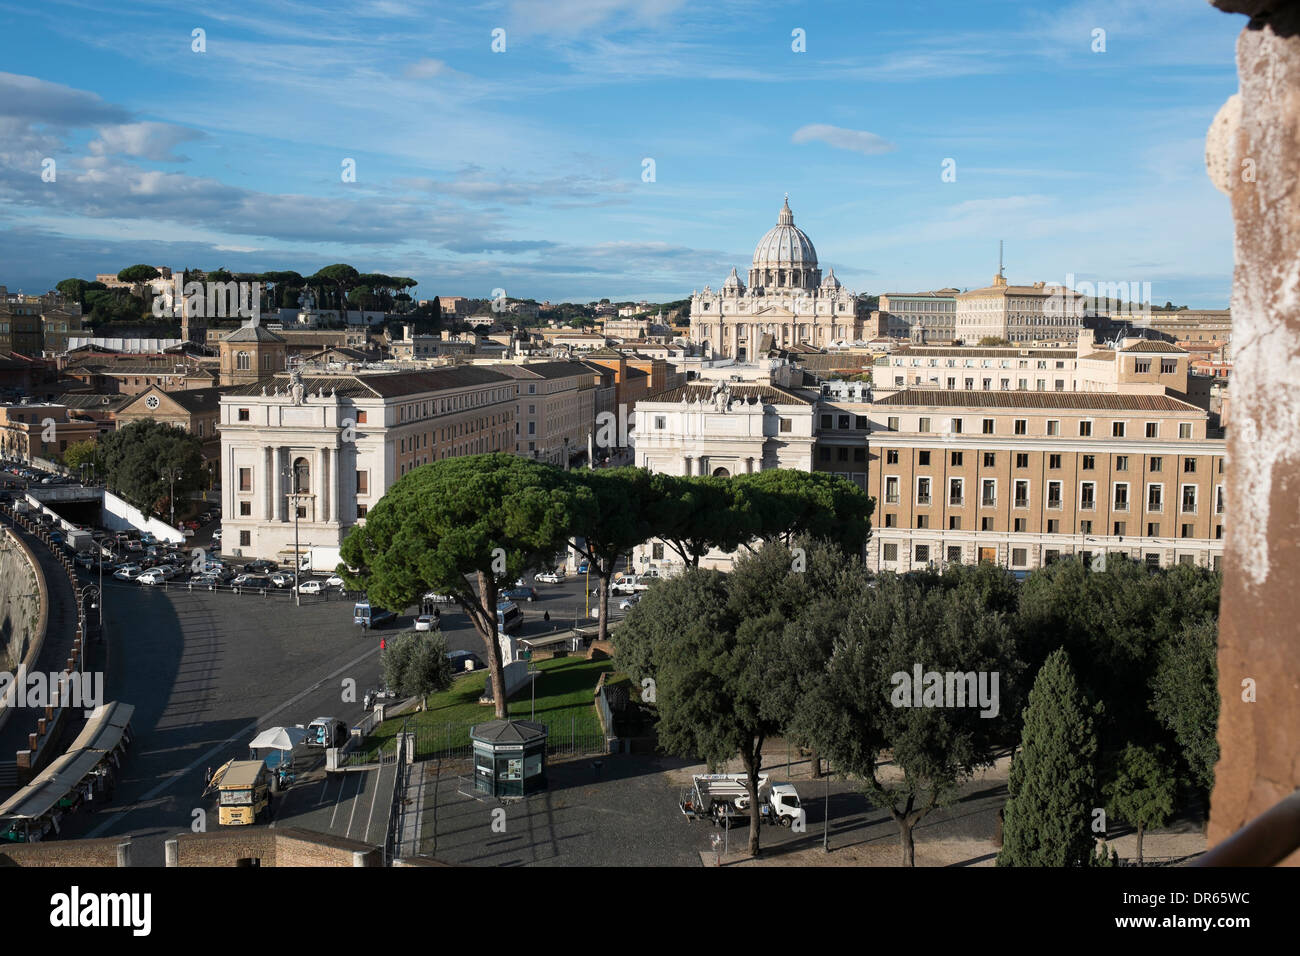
(1053, 783)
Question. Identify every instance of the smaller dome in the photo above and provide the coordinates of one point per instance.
(830, 282)
(734, 283)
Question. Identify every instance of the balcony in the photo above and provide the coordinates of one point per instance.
(1087, 504)
(891, 499)
(1120, 506)
(1022, 503)
(922, 499)
(988, 502)
(956, 500)
(1054, 504)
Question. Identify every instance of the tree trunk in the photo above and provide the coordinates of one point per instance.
(487, 590)
(604, 602)
(753, 762)
(906, 841)
(816, 764)
(1141, 828)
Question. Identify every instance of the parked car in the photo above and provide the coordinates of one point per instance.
(426, 622)
(216, 535)
(310, 587)
(629, 602)
(550, 577)
(334, 581)
(128, 572)
(282, 579)
(152, 576)
(260, 565)
(520, 594)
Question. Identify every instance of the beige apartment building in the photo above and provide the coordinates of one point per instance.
(1025, 478)
(41, 430)
(555, 409)
(1019, 313)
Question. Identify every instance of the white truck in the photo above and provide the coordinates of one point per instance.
(724, 799)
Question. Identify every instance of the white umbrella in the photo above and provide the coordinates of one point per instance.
(279, 738)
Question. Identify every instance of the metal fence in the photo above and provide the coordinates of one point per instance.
(450, 740)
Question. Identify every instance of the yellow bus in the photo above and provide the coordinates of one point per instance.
(243, 791)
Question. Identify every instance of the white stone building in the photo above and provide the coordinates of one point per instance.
(786, 297)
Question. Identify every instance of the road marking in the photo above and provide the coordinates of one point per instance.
(242, 732)
(379, 785)
(343, 782)
(361, 777)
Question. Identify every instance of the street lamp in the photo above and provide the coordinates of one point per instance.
(294, 496)
(171, 475)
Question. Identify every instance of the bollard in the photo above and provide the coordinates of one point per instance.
(124, 853)
(171, 853)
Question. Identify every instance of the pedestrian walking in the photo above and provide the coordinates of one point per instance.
(437, 614)
(207, 777)
(546, 616)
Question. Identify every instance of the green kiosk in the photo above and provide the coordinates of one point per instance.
(509, 757)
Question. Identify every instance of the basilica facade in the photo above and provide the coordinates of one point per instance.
(786, 297)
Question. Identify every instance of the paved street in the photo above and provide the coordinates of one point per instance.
(207, 670)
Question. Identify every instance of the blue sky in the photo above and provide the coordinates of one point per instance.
(523, 169)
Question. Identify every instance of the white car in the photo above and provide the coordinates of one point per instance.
(426, 622)
(152, 576)
(334, 581)
(216, 535)
(550, 577)
(629, 602)
(281, 580)
(128, 572)
(310, 587)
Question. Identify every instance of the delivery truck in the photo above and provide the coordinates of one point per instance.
(723, 798)
(79, 541)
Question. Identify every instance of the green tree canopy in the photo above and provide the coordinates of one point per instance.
(1141, 789)
(784, 503)
(462, 526)
(610, 516)
(1053, 785)
(900, 641)
(137, 457)
(416, 665)
(1185, 698)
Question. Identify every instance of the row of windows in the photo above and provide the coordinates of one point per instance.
(842, 422)
(986, 363)
(1021, 490)
(1021, 386)
(1021, 526)
(1020, 556)
(1087, 462)
(1020, 426)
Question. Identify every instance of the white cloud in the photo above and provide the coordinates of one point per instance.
(153, 141)
(427, 69)
(855, 140)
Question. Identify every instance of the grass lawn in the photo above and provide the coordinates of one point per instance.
(565, 702)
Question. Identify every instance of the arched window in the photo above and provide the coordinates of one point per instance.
(721, 473)
(301, 476)
(243, 362)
